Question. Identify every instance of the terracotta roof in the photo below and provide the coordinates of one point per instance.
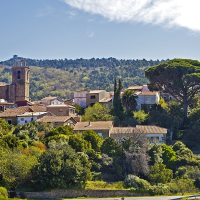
(49, 98)
(151, 129)
(27, 114)
(55, 119)
(106, 99)
(100, 125)
(13, 112)
(60, 105)
(95, 91)
(136, 87)
(149, 93)
(3, 84)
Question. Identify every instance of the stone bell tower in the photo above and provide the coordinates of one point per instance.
(20, 78)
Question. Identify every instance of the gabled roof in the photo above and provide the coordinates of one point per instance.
(13, 112)
(95, 91)
(135, 87)
(100, 125)
(105, 100)
(50, 98)
(148, 93)
(151, 129)
(52, 119)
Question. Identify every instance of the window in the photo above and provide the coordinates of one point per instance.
(1, 108)
(18, 74)
(148, 99)
(170, 98)
(69, 124)
(92, 104)
(165, 98)
(22, 119)
(9, 121)
(100, 134)
(154, 140)
(56, 123)
(92, 97)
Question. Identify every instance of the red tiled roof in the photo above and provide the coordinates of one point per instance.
(149, 93)
(100, 125)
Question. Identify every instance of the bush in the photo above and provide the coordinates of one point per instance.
(136, 182)
(3, 192)
(159, 189)
(96, 176)
(182, 185)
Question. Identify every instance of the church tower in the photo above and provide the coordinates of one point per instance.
(20, 78)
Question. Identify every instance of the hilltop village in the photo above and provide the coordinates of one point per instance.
(139, 140)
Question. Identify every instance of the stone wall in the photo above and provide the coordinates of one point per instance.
(79, 193)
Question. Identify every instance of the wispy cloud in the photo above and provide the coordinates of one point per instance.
(72, 14)
(90, 34)
(169, 13)
(45, 11)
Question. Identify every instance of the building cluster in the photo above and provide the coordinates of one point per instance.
(16, 107)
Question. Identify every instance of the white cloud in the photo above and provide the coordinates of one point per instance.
(45, 11)
(170, 13)
(72, 14)
(90, 34)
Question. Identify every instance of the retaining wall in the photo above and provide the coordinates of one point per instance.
(79, 193)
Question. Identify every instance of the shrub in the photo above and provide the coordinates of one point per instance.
(136, 182)
(3, 192)
(96, 176)
(159, 189)
(182, 185)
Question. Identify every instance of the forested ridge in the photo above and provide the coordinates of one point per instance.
(63, 77)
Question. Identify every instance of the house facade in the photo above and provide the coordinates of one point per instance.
(146, 99)
(62, 110)
(52, 101)
(102, 128)
(58, 120)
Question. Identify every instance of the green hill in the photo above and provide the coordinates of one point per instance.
(63, 77)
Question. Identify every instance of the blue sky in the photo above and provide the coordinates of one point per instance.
(124, 29)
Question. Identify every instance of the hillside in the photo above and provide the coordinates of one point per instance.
(63, 77)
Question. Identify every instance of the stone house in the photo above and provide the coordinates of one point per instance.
(11, 114)
(62, 110)
(51, 101)
(102, 128)
(154, 134)
(90, 97)
(58, 120)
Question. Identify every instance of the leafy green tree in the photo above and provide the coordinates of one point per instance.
(78, 143)
(155, 153)
(129, 100)
(140, 116)
(168, 156)
(95, 139)
(97, 112)
(64, 130)
(5, 128)
(159, 174)
(181, 77)
(61, 167)
(79, 109)
(111, 147)
(15, 167)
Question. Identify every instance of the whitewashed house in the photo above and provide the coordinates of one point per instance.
(30, 116)
(51, 101)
